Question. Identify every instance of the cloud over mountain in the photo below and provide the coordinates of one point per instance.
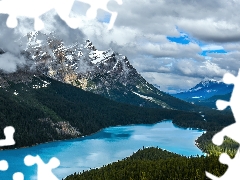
(142, 31)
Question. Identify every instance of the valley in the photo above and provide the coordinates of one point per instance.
(44, 110)
(37, 112)
(68, 92)
(106, 146)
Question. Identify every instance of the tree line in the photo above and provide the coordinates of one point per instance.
(153, 164)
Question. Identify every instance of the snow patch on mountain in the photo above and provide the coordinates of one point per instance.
(100, 56)
(204, 84)
(204, 90)
(142, 96)
(196, 97)
(80, 64)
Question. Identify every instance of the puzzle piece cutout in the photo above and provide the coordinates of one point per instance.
(232, 131)
(35, 8)
(18, 176)
(235, 98)
(8, 132)
(233, 167)
(44, 170)
(3, 165)
(101, 4)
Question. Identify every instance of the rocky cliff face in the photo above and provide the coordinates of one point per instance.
(107, 73)
(79, 64)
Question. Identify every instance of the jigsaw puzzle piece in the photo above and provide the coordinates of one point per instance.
(235, 97)
(25, 8)
(5, 9)
(3, 165)
(44, 170)
(18, 176)
(218, 139)
(112, 20)
(63, 8)
(34, 9)
(8, 132)
(224, 159)
(114, 15)
(231, 131)
(38, 24)
(221, 105)
(211, 176)
(12, 21)
(233, 167)
(229, 78)
(95, 5)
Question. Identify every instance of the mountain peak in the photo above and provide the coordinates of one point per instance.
(205, 84)
(102, 72)
(204, 90)
(210, 81)
(89, 45)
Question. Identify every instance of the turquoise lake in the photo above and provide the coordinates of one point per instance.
(106, 146)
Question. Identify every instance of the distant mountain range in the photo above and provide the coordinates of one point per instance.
(206, 93)
(64, 92)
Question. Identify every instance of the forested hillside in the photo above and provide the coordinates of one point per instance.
(155, 164)
(45, 110)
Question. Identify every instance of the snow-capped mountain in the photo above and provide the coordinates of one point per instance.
(204, 85)
(107, 73)
(204, 90)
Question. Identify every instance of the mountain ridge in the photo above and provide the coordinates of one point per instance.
(43, 110)
(107, 73)
(204, 90)
(60, 94)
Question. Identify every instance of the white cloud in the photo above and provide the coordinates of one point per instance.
(210, 30)
(211, 47)
(172, 49)
(198, 69)
(231, 46)
(140, 32)
(229, 61)
(171, 82)
(9, 62)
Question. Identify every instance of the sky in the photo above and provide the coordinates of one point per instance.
(174, 44)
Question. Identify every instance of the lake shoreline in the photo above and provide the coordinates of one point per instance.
(106, 146)
(164, 120)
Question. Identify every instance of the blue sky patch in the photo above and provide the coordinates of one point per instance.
(183, 39)
(204, 53)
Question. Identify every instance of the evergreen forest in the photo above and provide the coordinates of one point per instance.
(155, 164)
(85, 111)
(33, 111)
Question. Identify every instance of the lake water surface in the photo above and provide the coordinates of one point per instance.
(106, 146)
